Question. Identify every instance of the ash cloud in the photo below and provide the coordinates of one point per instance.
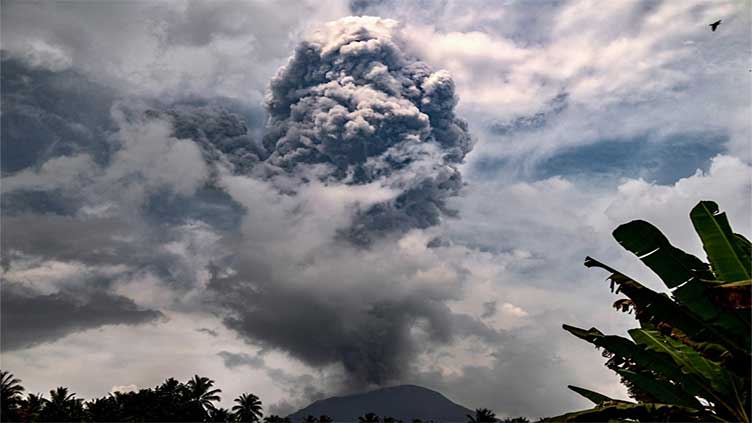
(31, 318)
(47, 114)
(233, 360)
(352, 117)
(223, 135)
(361, 145)
(354, 105)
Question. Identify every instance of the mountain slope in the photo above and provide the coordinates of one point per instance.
(404, 402)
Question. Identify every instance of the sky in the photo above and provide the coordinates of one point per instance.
(302, 199)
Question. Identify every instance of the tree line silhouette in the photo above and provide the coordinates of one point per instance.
(172, 401)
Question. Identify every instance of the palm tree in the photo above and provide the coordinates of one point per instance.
(482, 415)
(220, 415)
(62, 406)
(172, 402)
(249, 408)
(200, 390)
(369, 418)
(105, 409)
(31, 408)
(10, 395)
(310, 419)
(325, 419)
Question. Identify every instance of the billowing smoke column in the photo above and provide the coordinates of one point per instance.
(352, 101)
(350, 110)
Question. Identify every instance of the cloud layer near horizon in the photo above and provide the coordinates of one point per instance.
(163, 213)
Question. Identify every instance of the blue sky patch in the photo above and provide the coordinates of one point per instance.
(662, 161)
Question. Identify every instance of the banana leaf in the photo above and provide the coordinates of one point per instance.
(736, 285)
(728, 254)
(726, 388)
(645, 359)
(743, 248)
(663, 391)
(698, 295)
(656, 308)
(648, 412)
(593, 396)
(671, 264)
(734, 296)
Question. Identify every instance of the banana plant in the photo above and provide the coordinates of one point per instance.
(690, 358)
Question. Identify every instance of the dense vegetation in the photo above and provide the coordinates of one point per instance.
(172, 401)
(689, 359)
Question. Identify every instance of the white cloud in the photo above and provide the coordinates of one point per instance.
(124, 388)
(64, 172)
(728, 182)
(40, 54)
(628, 68)
(183, 48)
(151, 158)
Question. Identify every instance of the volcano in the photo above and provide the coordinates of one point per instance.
(403, 402)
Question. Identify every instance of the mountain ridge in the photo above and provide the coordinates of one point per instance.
(401, 402)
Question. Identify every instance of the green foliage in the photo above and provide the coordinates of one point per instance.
(200, 392)
(220, 415)
(63, 406)
(690, 358)
(673, 265)
(625, 411)
(172, 401)
(248, 408)
(10, 396)
(729, 253)
(593, 396)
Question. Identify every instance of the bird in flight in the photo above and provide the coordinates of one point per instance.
(714, 25)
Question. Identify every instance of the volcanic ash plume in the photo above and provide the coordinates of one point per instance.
(353, 106)
(352, 115)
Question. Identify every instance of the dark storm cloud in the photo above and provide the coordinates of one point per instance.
(91, 241)
(373, 344)
(47, 114)
(98, 242)
(351, 108)
(299, 389)
(94, 240)
(222, 134)
(374, 340)
(209, 204)
(514, 372)
(489, 309)
(38, 201)
(55, 176)
(210, 332)
(352, 101)
(233, 360)
(31, 318)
